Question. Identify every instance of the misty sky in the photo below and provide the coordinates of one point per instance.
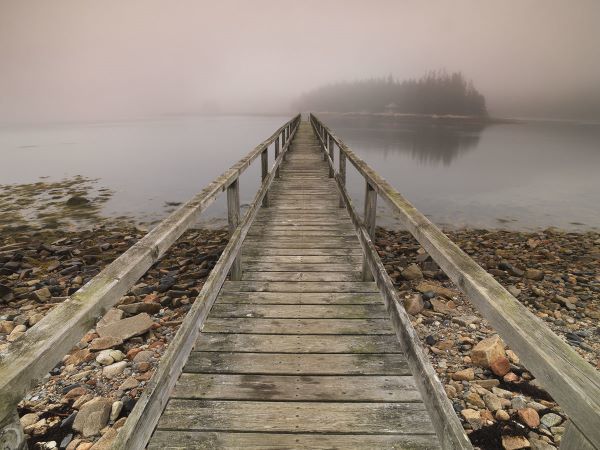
(111, 59)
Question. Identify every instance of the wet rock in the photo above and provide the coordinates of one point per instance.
(92, 417)
(77, 201)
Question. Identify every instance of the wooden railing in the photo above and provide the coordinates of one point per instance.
(43, 346)
(569, 379)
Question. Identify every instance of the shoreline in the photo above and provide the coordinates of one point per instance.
(47, 266)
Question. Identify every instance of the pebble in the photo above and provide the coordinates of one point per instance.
(114, 370)
(551, 420)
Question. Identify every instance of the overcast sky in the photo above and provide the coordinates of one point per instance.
(90, 59)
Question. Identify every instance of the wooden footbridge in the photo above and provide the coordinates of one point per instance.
(298, 338)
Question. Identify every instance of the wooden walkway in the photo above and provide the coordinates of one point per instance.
(300, 353)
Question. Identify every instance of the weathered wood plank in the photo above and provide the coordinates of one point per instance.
(297, 388)
(229, 310)
(298, 326)
(260, 251)
(301, 233)
(298, 417)
(301, 276)
(297, 364)
(296, 343)
(301, 298)
(266, 261)
(298, 286)
(251, 266)
(205, 440)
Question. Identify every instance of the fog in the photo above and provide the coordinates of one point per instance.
(67, 60)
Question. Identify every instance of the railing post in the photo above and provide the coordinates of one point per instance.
(285, 155)
(342, 173)
(331, 154)
(324, 139)
(369, 222)
(277, 155)
(233, 216)
(264, 162)
(11, 433)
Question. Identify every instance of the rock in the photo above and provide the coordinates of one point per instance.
(6, 293)
(450, 391)
(116, 410)
(487, 351)
(413, 304)
(534, 274)
(518, 402)
(500, 366)
(136, 308)
(93, 416)
(114, 370)
(512, 356)
(529, 417)
(464, 375)
(514, 442)
(6, 326)
(440, 306)
(492, 402)
(513, 291)
(42, 295)
(79, 356)
(502, 415)
(474, 399)
(412, 272)
(425, 286)
(104, 358)
(16, 333)
(472, 417)
(29, 419)
(488, 384)
(551, 420)
(117, 355)
(103, 343)
(143, 356)
(34, 318)
(112, 315)
(539, 444)
(78, 200)
(106, 441)
(126, 328)
(129, 383)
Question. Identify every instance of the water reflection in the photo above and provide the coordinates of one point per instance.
(428, 142)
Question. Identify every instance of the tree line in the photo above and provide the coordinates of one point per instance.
(437, 92)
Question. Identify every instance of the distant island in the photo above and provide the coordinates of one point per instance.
(436, 93)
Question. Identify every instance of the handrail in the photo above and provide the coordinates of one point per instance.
(569, 379)
(43, 346)
(448, 428)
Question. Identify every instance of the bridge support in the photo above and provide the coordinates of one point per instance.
(233, 216)
(11, 433)
(342, 175)
(369, 222)
(264, 162)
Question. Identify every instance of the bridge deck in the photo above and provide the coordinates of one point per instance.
(301, 352)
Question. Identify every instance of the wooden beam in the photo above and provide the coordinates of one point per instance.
(233, 216)
(369, 219)
(277, 174)
(331, 149)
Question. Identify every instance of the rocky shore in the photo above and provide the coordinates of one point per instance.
(86, 398)
(555, 274)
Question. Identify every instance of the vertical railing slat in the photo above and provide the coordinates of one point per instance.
(369, 221)
(233, 217)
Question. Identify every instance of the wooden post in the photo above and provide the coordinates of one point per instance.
(331, 155)
(369, 221)
(285, 155)
(11, 433)
(324, 147)
(342, 173)
(276, 156)
(233, 216)
(264, 162)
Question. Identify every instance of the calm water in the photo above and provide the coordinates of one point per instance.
(518, 176)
